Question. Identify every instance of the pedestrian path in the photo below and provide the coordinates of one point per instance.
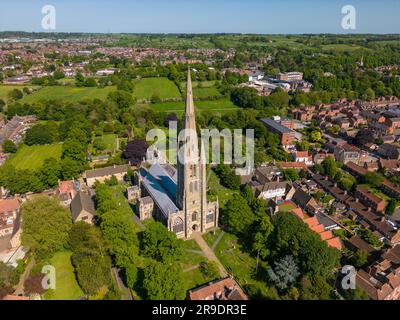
(209, 253)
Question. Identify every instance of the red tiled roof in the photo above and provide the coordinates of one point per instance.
(66, 186)
(295, 165)
(335, 243)
(224, 289)
(9, 205)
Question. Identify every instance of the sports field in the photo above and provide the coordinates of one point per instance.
(163, 87)
(32, 157)
(68, 94)
(222, 105)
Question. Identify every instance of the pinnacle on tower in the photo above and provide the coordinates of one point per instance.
(189, 110)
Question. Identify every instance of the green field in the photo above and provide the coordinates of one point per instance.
(109, 142)
(5, 89)
(68, 94)
(163, 87)
(67, 287)
(32, 157)
(222, 106)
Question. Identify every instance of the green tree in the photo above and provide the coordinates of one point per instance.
(284, 273)
(391, 207)
(330, 167)
(163, 282)
(210, 269)
(292, 236)
(160, 244)
(237, 215)
(45, 225)
(131, 274)
(9, 146)
(290, 174)
(15, 94)
(90, 259)
(359, 258)
(315, 288)
(374, 179)
(262, 237)
(8, 276)
(120, 233)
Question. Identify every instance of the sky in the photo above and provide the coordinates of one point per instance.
(202, 16)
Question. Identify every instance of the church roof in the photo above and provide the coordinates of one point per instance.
(161, 187)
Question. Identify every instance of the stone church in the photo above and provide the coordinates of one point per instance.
(178, 197)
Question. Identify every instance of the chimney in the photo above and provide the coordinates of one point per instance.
(369, 209)
(335, 185)
(345, 192)
(326, 178)
(357, 200)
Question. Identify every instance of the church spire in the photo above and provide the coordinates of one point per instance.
(189, 109)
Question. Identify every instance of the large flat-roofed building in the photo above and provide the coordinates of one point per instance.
(290, 76)
(285, 134)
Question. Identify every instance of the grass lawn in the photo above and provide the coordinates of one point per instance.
(221, 105)
(206, 92)
(67, 287)
(194, 278)
(32, 157)
(238, 262)
(68, 94)
(223, 193)
(5, 89)
(211, 236)
(287, 207)
(341, 47)
(109, 141)
(147, 87)
(195, 84)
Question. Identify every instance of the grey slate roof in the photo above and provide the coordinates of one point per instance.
(109, 171)
(277, 126)
(82, 201)
(161, 187)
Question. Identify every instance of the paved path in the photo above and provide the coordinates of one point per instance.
(217, 240)
(191, 268)
(195, 251)
(126, 293)
(136, 219)
(19, 288)
(209, 254)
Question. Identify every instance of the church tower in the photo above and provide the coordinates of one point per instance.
(191, 184)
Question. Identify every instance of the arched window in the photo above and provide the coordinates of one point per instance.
(210, 216)
(194, 216)
(177, 225)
